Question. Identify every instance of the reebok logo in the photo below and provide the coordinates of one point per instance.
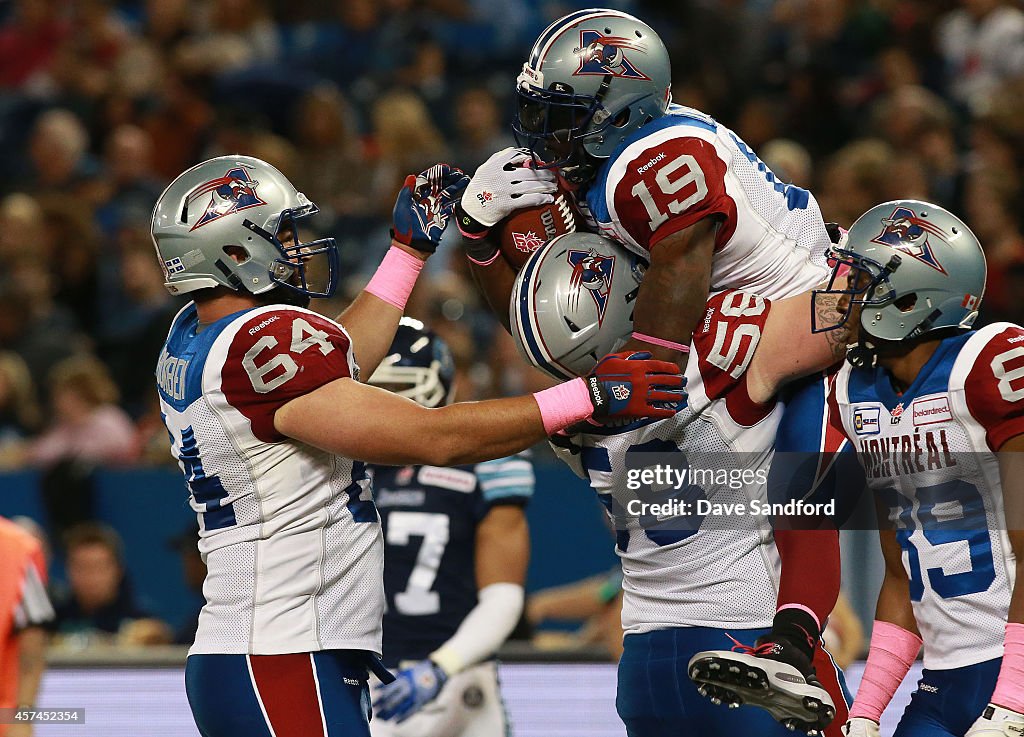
(649, 164)
(707, 319)
(256, 328)
(595, 391)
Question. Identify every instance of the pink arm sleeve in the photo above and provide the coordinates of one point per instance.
(893, 651)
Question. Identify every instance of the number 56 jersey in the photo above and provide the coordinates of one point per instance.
(684, 167)
(929, 457)
(717, 569)
(289, 533)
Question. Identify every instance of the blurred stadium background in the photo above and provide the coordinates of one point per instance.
(103, 102)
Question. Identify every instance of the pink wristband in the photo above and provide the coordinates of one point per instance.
(802, 608)
(893, 651)
(395, 277)
(1009, 691)
(488, 262)
(661, 342)
(564, 404)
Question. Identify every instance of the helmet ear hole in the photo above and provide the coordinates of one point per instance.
(621, 119)
(906, 303)
(239, 254)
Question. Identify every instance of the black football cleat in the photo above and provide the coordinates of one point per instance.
(752, 676)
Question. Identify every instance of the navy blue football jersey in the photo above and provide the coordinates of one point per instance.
(429, 517)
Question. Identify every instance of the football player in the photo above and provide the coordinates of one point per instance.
(25, 610)
(935, 414)
(456, 545)
(666, 181)
(272, 429)
(691, 580)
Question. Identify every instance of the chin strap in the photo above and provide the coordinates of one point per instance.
(861, 355)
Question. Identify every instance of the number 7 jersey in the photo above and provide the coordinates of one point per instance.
(684, 167)
(289, 533)
(930, 457)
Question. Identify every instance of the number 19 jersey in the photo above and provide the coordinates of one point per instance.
(684, 167)
(289, 533)
(929, 456)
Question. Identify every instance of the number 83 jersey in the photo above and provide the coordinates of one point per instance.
(684, 167)
(929, 456)
(289, 533)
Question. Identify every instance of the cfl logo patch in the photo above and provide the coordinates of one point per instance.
(620, 392)
(174, 266)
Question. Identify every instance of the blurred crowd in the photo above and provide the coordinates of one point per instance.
(103, 102)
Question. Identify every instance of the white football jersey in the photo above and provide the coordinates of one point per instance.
(289, 533)
(721, 570)
(684, 167)
(929, 455)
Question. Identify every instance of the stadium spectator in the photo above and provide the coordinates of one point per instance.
(59, 154)
(99, 605)
(983, 45)
(480, 129)
(20, 416)
(87, 423)
(28, 43)
(193, 571)
(595, 602)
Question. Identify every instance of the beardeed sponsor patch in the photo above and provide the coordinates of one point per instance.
(931, 411)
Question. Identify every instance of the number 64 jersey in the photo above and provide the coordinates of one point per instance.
(929, 456)
(289, 533)
(684, 167)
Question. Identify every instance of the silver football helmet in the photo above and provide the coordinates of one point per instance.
(241, 202)
(914, 266)
(572, 303)
(593, 77)
(419, 365)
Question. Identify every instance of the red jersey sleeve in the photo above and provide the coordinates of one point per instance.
(670, 186)
(994, 388)
(277, 356)
(725, 342)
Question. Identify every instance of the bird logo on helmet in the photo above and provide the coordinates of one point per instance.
(601, 54)
(593, 272)
(233, 192)
(908, 233)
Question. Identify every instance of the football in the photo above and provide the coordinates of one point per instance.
(524, 231)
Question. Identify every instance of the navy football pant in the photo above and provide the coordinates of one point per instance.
(656, 697)
(947, 702)
(320, 694)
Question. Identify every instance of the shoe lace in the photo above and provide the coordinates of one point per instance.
(765, 648)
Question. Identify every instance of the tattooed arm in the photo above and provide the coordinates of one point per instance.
(788, 349)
